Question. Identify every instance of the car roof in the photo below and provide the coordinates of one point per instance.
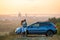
(41, 22)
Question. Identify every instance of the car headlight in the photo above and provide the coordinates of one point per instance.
(17, 29)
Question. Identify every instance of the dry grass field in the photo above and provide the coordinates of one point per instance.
(6, 32)
(18, 37)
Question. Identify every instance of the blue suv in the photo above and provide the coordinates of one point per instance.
(47, 28)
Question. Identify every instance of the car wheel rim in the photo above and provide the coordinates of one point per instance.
(49, 33)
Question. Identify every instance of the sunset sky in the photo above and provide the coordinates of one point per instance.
(42, 7)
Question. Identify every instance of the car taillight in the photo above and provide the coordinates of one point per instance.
(55, 26)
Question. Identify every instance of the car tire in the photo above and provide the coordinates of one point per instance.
(49, 34)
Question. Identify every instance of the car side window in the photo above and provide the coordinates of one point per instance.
(43, 24)
(35, 25)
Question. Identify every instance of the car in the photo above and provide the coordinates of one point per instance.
(47, 28)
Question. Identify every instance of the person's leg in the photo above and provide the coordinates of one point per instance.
(26, 34)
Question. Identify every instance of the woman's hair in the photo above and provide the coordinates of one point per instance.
(23, 21)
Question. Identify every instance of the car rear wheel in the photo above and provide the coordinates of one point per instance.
(49, 33)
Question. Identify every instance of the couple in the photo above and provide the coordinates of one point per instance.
(24, 25)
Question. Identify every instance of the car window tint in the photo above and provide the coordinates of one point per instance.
(35, 25)
(44, 24)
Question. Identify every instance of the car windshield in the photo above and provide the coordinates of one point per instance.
(34, 24)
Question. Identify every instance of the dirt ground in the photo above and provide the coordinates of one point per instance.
(55, 37)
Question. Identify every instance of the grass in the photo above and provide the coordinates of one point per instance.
(58, 28)
(12, 36)
(7, 32)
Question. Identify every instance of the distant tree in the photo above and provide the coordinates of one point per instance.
(19, 15)
(25, 16)
(19, 19)
(54, 20)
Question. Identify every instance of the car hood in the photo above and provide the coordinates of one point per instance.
(19, 28)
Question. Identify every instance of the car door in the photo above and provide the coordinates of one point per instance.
(43, 28)
(33, 28)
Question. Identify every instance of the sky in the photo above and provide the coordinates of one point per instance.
(30, 7)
